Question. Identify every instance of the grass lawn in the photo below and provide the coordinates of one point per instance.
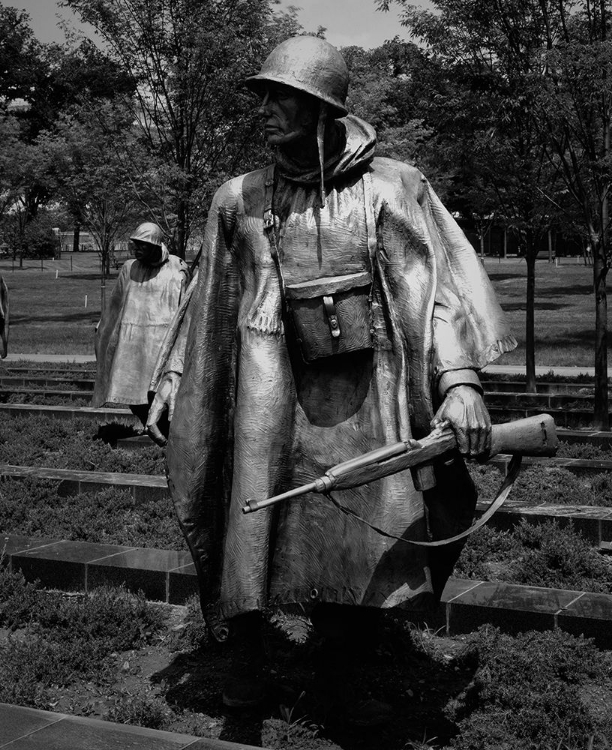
(54, 308)
(564, 310)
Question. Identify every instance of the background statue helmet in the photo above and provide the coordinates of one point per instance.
(149, 232)
(308, 64)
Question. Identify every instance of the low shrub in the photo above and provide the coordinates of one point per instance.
(148, 711)
(543, 555)
(558, 558)
(64, 638)
(34, 508)
(17, 599)
(527, 692)
(589, 451)
(537, 485)
(71, 444)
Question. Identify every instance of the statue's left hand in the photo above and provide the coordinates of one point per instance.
(464, 410)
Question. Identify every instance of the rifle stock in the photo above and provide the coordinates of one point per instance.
(533, 436)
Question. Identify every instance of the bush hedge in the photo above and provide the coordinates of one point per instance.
(59, 639)
(543, 555)
(34, 508)
(77, 444)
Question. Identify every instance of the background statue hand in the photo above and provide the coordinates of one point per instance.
(464, 409)
(164, 401)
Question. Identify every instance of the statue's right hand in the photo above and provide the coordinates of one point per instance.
(165, 398)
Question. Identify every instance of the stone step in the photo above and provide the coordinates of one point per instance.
(40, 393)
(103, 415)
(594, 523)
(18, 381)
(144, 487)
(169, 576)
(542, 388)
(576, 465)
(571, 419)
(542, 400)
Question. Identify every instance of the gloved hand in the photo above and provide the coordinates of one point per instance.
(165, 398)
(464, 410)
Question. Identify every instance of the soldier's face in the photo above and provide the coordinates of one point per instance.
(145, 252)
(289, 115)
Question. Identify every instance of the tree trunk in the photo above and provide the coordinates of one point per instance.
(550, 247)
(530, 373)
(76, 238)
(601, 416)
(182, 229)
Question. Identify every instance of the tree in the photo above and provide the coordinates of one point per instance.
(186, 59)
(20, 57)
(574, 110)
(89, 178)
(488, 63)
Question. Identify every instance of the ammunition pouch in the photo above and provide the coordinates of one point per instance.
(331, 315)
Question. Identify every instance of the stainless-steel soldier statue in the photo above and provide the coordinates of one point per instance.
(147, 294)
(339, 308)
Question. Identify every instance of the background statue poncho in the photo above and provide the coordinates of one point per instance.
(253, 419)
(147, 294)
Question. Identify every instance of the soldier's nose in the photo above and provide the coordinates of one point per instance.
(264, 106)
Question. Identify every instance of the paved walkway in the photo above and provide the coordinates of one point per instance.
(541, 370)
(29, 729)
(492, 369)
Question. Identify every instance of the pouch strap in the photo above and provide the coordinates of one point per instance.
(269, 227)
(368, 195)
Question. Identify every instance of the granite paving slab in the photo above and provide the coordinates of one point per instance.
(511, 607)
(145, 570)
(169, 576)
(142, 486)
(30, 729)
(589, 615)
(64, 564)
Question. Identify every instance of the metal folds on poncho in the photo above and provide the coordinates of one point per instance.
(252, 418)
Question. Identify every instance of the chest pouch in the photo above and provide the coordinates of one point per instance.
(331, 315)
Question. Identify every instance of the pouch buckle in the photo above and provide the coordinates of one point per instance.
(332, 316)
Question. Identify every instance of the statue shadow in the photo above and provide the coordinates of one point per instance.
(400, 672)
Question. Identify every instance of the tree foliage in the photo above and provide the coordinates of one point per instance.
(89, 177)
(532, 80)
(186, 60)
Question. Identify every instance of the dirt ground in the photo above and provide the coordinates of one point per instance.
(392, 694)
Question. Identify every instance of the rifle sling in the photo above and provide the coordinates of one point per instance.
(500, 498)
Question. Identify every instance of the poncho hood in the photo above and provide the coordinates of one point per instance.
(357, 145)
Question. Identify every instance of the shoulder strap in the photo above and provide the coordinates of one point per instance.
(368, 195)
(500, 499)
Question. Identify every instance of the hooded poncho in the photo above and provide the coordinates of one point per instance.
(252, 419)
(133, 325)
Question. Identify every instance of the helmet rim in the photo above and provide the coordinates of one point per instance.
(295, 63)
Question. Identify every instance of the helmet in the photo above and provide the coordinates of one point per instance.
(309, 64)
(149, 232)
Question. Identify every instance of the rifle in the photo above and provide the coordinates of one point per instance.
(533, 436)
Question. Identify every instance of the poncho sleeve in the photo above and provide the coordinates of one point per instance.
(470, 329)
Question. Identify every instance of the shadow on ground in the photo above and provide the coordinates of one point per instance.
(387, 693)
